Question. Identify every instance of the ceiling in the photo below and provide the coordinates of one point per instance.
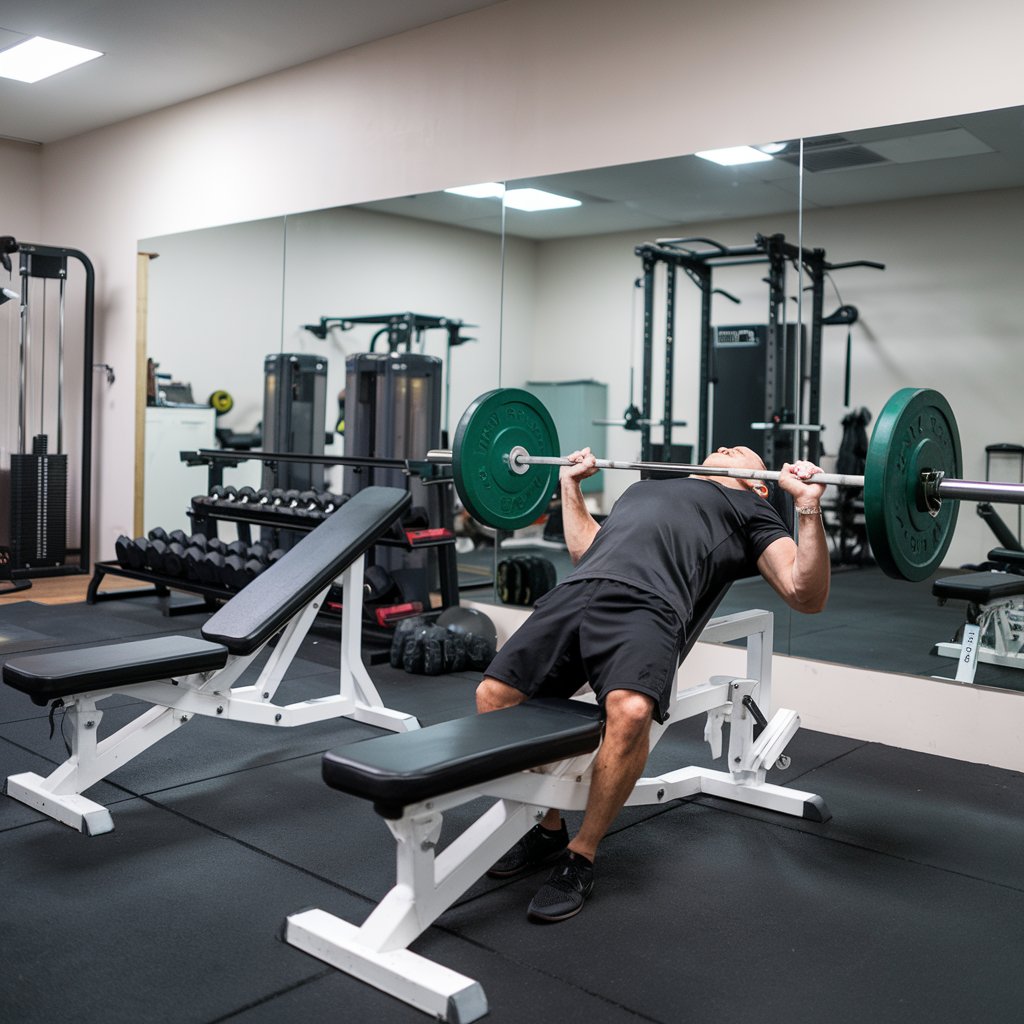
(970, 153)
(157, 54)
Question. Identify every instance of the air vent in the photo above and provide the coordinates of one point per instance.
(835, 158)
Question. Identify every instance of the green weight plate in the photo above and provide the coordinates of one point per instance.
(915, 432)
(489, 429)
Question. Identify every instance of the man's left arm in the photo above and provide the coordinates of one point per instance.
(800, 571)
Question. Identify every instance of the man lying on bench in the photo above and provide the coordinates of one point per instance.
(645, 586)
(620, 618)
(182, 677)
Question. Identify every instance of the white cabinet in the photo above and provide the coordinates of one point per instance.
(170, 484)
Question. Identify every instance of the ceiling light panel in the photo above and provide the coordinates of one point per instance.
(732, 156)
(38, 58)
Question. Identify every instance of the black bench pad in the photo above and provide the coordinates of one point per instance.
(405, 768)
(980, 587)
(1007, 556)
(256, 613)
(46, 677)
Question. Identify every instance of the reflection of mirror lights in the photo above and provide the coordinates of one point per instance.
(734, 155)
(534, 199)
(531, 200)
(39, 58)
(485, 190)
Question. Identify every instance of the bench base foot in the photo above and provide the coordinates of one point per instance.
(72, 809)
(983, 654)
(421, 983)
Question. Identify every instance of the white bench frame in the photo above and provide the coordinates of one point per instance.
(428, 884)
(998, 638)
(213, 694)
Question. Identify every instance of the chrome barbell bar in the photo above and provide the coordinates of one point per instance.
(934, 486)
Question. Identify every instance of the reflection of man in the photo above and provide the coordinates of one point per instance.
(621, 618)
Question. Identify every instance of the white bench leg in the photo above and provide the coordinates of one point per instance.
(428, 986)
(72, 809)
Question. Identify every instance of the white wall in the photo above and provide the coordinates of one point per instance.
(523, 88)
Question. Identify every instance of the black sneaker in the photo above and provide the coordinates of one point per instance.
(539, 846)
(563, 894)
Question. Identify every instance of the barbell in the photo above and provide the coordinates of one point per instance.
(505, 459)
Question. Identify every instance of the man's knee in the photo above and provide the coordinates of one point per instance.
(629, 711)
(492, 695)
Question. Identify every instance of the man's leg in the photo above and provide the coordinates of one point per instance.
(535, 848)
(619, 763)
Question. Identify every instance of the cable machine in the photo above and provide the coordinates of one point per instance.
(801, 417)
(34, 491)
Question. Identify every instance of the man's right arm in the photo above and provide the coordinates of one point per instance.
(578, 525)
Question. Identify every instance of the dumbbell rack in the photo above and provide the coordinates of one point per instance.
(204, 517)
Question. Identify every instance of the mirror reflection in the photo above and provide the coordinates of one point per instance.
(659, 310)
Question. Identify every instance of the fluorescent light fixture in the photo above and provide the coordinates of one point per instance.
(38, 58)
(534, 199)
(734, 155)
(529, 199)
(485, 190)
(772, 147)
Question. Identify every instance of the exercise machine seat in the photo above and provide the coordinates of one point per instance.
(979, 587)
(462, 753)
(55, 674)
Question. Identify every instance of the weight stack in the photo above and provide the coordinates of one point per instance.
(393, 411)
(39, 499)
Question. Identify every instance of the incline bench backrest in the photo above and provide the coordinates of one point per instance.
(256, 613)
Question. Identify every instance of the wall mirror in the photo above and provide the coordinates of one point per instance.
(934, 203)
(554, 301)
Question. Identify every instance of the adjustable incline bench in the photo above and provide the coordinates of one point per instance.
(994, 630)
(181, 676)
(527, 758)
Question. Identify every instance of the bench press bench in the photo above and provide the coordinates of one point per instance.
(994, 629)
(184, 676)
(526, 758)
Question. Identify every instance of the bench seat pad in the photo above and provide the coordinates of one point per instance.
(54, 674)
(980, 587)
(406, 768)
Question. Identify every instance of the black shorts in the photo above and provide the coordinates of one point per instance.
(602, 632)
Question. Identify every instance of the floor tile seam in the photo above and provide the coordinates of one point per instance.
(550, 975)
(699, 800)
(211, 778)
(860, 745)
(325, 972)
(259, 851)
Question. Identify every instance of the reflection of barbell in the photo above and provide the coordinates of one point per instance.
(505, 457)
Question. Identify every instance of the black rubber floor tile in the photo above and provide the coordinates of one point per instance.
(696, 914)
(961, 817)
(160, 922)
(514, 992)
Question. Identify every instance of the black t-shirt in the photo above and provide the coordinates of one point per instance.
(682, 539)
